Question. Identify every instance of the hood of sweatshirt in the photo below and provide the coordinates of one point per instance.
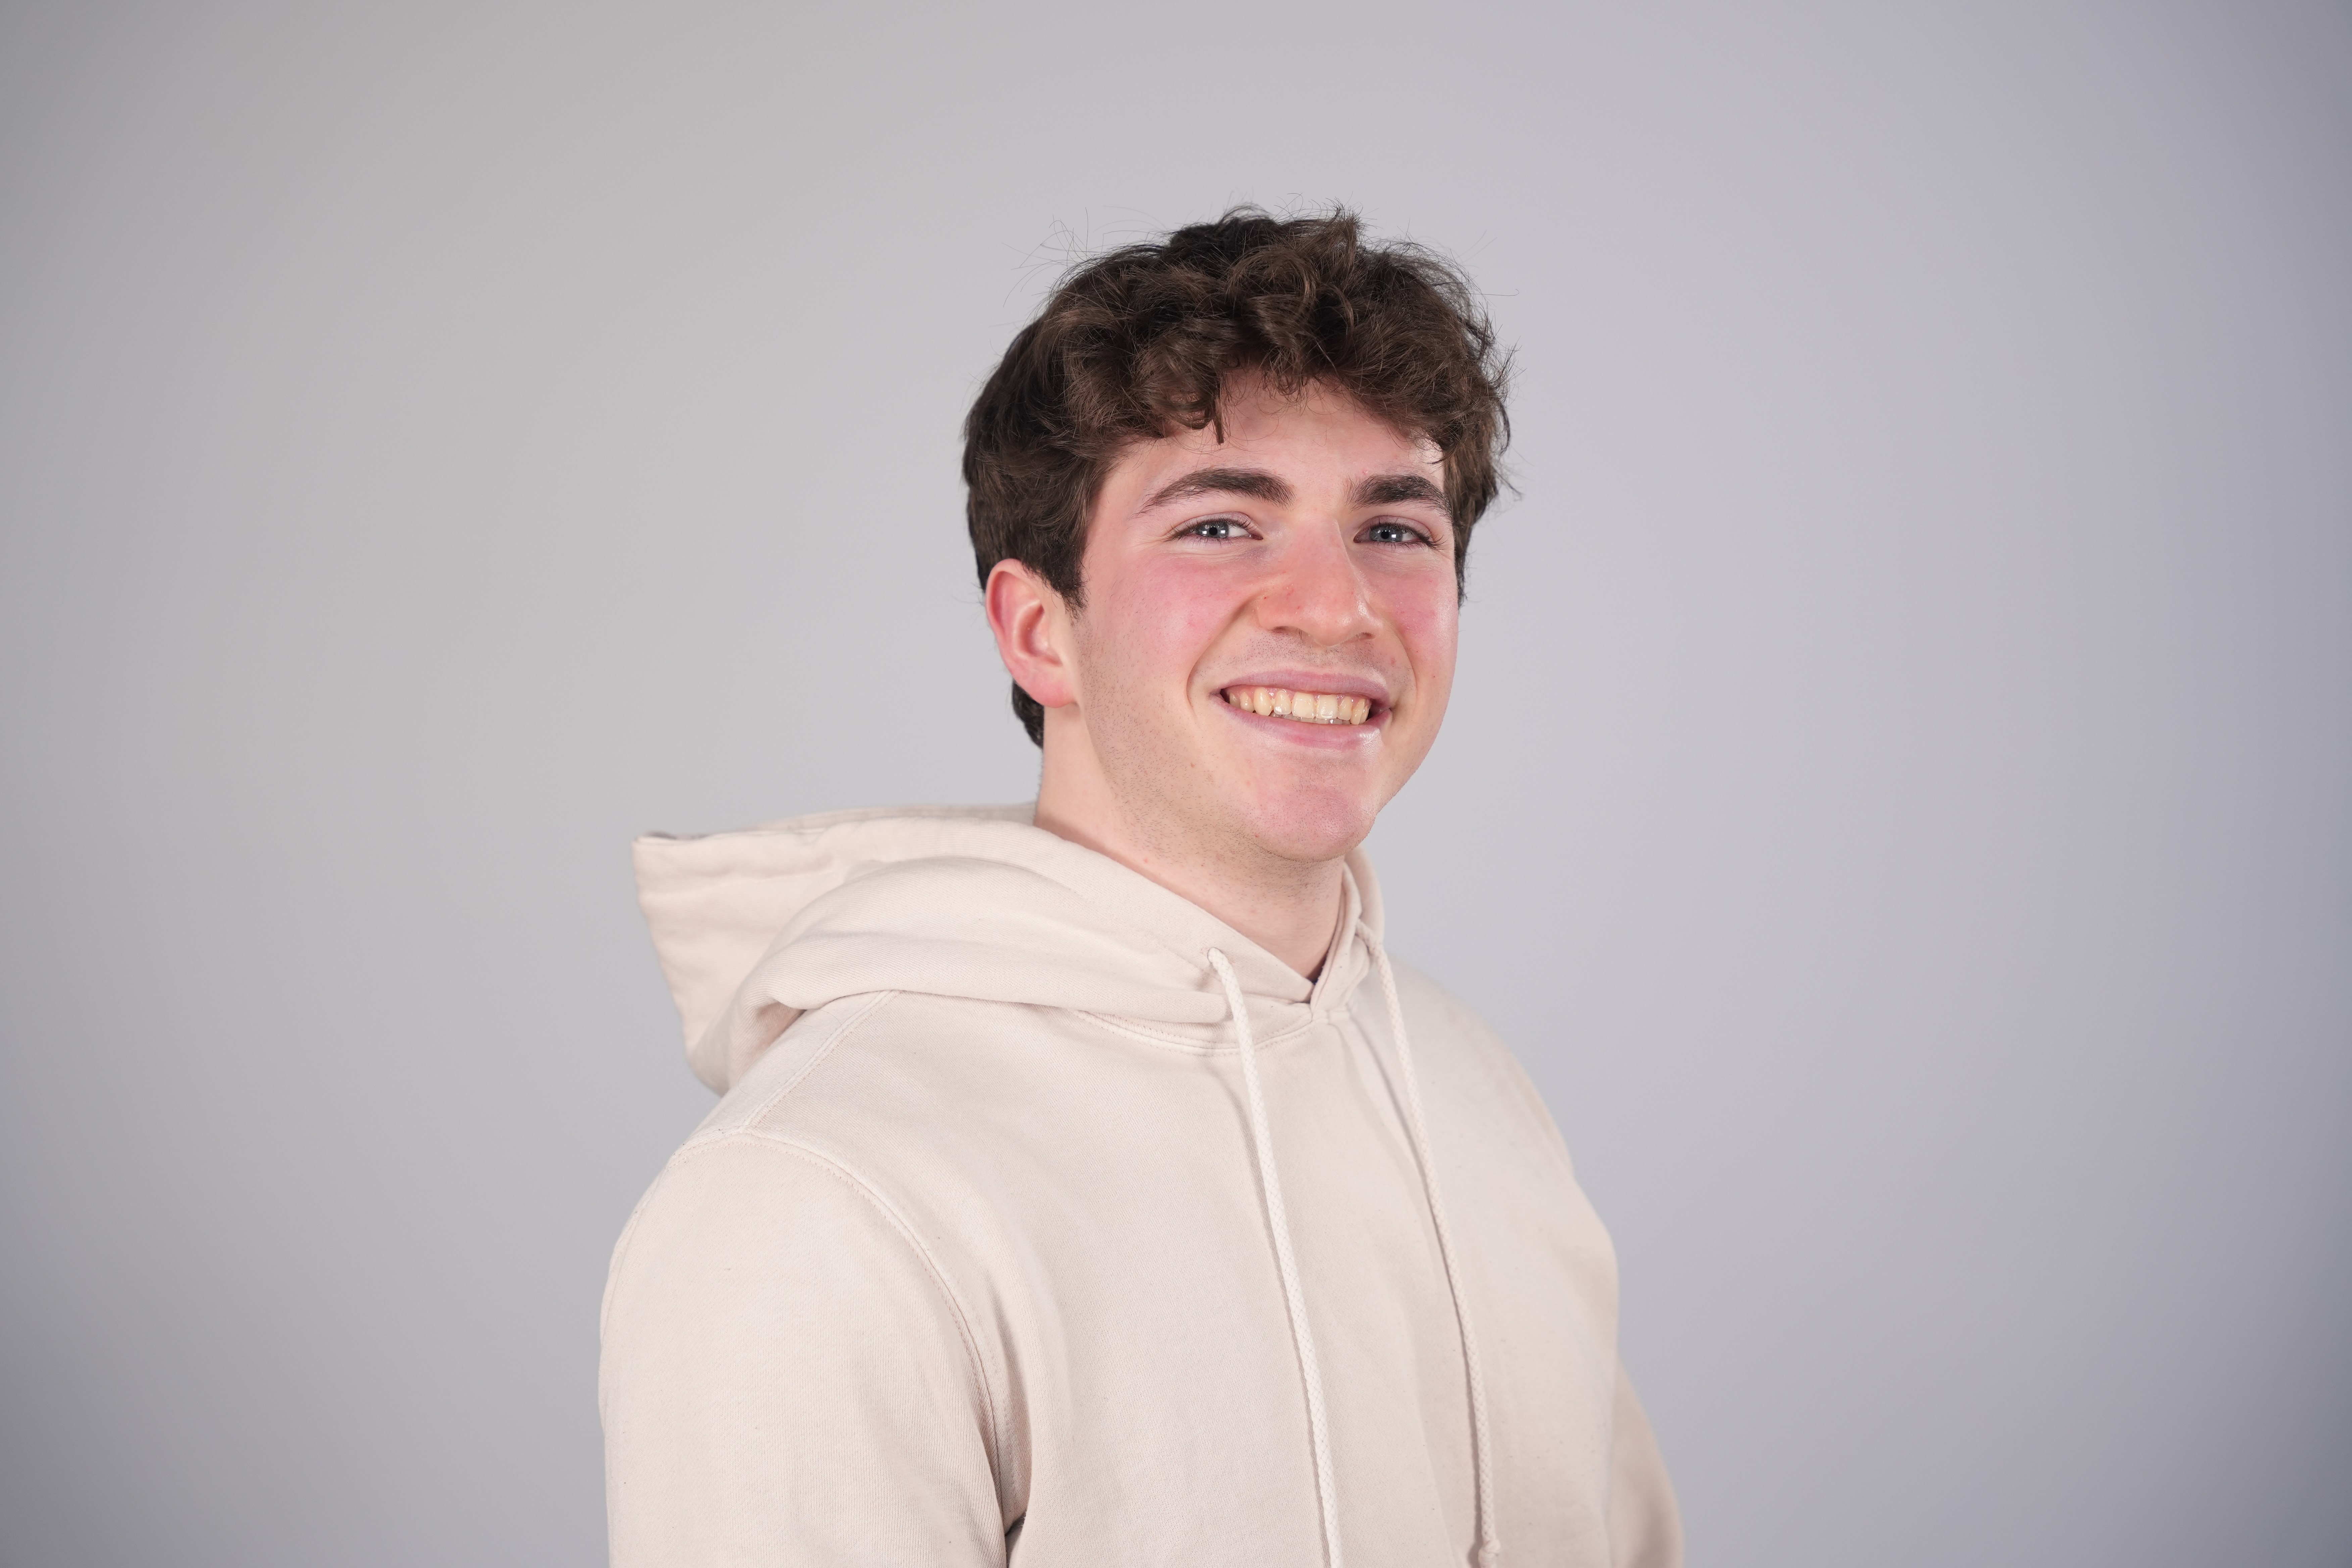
(755, 928)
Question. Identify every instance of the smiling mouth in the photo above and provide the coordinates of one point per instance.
(1300, 707)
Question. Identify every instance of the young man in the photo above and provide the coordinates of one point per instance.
(1090, 1187)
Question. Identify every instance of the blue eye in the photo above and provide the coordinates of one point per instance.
(1216, 528)
(1395, 533)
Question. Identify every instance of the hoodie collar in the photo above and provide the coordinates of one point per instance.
(756, 927)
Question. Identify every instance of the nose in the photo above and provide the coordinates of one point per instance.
(1317, 593)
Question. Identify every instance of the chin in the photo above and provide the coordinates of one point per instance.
(1311, 825)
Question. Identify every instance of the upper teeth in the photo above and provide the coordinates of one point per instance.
(1307, 707)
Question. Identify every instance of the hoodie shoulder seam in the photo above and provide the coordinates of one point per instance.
(999, 1442)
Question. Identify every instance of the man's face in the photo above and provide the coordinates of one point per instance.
(1245, 601)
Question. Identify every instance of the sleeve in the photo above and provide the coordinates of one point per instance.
(1645, 1528)
(786, 1378)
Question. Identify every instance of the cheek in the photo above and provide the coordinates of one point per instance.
(1152, 625)
(1429, 623)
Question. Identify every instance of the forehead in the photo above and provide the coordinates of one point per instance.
(1319, 433)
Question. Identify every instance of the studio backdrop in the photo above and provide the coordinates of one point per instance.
(1897, 801)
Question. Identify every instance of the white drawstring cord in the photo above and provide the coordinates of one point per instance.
(1482, 1451)
(1302, 1337)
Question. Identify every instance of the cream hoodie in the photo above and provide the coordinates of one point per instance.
(1048, 1220)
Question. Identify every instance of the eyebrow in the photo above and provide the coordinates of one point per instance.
(1391, 489)
(1220, 482)
(1381, 489)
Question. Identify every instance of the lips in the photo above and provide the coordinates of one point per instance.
(1299, 707)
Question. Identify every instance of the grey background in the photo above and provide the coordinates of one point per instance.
(1899, 800)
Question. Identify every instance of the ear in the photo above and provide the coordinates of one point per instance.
(1032, 623)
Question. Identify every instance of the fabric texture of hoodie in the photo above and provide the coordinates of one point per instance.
(1046, 1219)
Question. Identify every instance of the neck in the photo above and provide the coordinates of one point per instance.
(1286, 907)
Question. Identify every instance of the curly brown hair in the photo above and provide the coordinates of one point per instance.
(1140, 341)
